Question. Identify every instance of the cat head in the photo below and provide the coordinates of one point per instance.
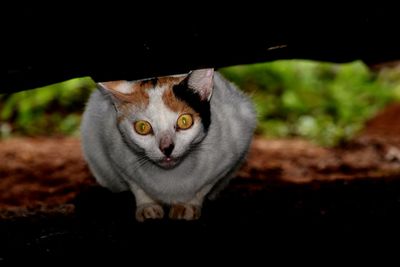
(163, 119)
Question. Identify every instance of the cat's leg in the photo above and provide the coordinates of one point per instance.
(146, 207)
(190, 210)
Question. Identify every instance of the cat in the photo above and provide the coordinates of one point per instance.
(170, 140)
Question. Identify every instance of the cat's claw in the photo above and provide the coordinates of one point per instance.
(185, 212)
(149, 211)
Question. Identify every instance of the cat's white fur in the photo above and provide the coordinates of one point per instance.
(115, 164)
(124, 87)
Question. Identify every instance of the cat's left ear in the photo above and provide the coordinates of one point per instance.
(115, 87)
(118, 90)
(202, 81)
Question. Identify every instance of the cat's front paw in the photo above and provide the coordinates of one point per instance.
(149, 211)
(185, 211)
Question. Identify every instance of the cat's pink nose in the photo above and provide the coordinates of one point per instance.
(166, 145)
(166, 149)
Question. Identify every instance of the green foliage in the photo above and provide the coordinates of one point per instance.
(324, 102)
(53, 109)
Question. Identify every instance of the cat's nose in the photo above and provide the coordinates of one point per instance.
(166, 145)
(167, 148)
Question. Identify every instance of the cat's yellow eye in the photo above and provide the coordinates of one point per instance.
(185, 121)
(143, 127)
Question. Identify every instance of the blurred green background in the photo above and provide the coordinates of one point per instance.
(324, 102)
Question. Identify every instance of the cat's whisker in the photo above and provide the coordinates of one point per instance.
(142, 161)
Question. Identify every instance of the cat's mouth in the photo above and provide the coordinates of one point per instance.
(168, 162)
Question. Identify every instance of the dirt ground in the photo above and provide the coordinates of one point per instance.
(51, 206)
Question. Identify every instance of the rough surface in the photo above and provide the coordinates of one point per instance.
(287, 191)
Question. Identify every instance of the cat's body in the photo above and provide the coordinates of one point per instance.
(170, 165)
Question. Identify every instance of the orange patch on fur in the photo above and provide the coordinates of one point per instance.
(175, 104)
(170, 80)
(137, 96)
(144, 85)
(169, 98)
(167, 81)
(171, 101)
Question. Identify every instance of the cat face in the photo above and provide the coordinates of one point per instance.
(163, 119)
